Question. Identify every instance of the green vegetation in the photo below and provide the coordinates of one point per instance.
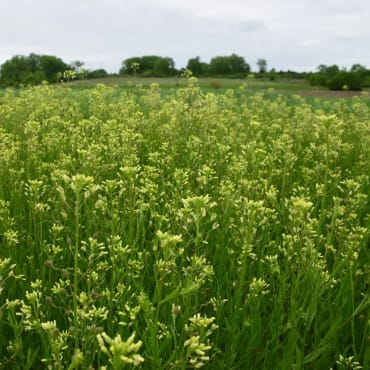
(262, 66)
(156, 66)
(357, 78)
(208, 84)
(148, 66)
(36, 69)
(31, 70)
(232, 65)
(184, 230)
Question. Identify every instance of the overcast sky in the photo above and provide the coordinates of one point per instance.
(289, 34)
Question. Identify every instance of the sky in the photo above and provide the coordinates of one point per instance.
(290, 34)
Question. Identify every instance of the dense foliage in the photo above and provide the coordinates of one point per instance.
(357, 78)
(97, 73)
(36, 69)
(31, 70)
(148, 66)
(183, 230)
(232, 65)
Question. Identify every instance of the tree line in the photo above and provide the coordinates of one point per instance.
(335, 78)
(34, 69)
(156, 66)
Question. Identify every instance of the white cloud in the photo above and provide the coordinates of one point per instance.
(290, 34)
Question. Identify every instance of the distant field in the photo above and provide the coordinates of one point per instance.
(219, 85)
(207, 83)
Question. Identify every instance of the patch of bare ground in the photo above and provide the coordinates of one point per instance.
(328, 93)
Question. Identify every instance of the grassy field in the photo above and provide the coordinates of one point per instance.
(207, 84)
(224, 230)
(313, 95)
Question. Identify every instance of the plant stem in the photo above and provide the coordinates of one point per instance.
(75, 267)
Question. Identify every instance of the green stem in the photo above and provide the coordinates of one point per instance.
(353, 312)
(75, 268)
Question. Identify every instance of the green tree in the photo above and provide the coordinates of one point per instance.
(51, 65)
(272, 74)
(358, 68)
(97, 73)
(262, 66)
(126, 68)
(317, 79)
(148, 62)
(232, 65)
(77, 65)
(343, 78)
(31, 69)
(329, 71)
(149, 65)
(361, 72)
(196, 66)
(163, 67)
(323, 75)
(14, 71)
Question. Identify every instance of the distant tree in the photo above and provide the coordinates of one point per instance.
(361, 71)
(51, 65)
(205, 68)
(338, 79)
(323, 75)
(163, 67)
(321, 69)
(328, 71)
(272, 74)
(262, 66)
(149, 65)
(219, 66)
(366, 81)
(196, 66)
(135, 66)
(232, 65)
(317, 79)
(238, 65)
(97, 73)
(345, 79)
(358, 68)
(126, 68)
(14, 71)
(76, 65)
(31, 69)
(332, 70)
